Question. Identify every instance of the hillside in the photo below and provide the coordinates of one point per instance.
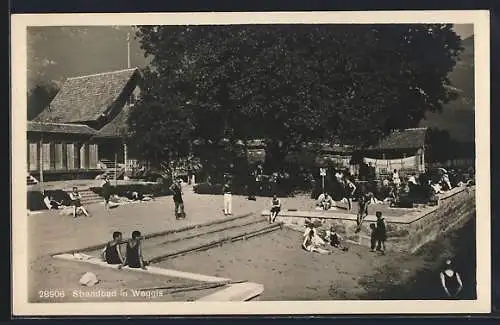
(458, 116)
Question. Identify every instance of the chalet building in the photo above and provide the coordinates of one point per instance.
(84, 125)
(404, 150)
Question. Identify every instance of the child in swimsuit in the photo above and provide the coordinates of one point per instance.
(112, 253)
(133, 257)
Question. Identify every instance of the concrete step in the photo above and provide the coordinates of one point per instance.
(30, 180)
(174, 245)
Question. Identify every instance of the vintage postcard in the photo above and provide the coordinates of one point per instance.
(251, 163)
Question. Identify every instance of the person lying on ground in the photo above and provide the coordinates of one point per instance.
(133, 257)
(275, 208)
(325, 201)
(335, 239)
(51, 203)
(312, 242)
(112, 253)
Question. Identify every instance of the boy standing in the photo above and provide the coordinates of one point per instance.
(381, 232)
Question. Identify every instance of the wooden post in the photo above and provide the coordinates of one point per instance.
(40, 163)
(125, 158)
(422, 159)
(116, 163)
(128, 50)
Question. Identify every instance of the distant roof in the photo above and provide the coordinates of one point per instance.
(60, 128)
(118, 127)
(403, 139)
(85, 98)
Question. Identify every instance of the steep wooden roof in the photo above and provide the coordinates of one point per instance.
(60, 128)
(117, 128)
(404, 139)
(86, 98)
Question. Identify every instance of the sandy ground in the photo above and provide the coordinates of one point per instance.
(62, 279)
(290, 273)
(286, 271)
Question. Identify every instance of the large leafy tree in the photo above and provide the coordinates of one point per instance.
(293, 83)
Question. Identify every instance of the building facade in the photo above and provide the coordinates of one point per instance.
(84, 128)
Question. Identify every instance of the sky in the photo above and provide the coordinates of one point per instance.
(464, 30)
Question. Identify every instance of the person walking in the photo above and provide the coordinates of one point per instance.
(106, 192)
(364, 200)
(227, 199)
(176, 189)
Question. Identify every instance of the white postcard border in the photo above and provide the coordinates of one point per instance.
(19, 23)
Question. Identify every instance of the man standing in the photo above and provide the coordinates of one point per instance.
(176, 189)
(227, 198)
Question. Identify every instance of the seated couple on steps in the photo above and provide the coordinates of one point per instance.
(112, 253)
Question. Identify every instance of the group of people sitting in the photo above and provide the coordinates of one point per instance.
(75, 199)
(318, 242)
(112, 252)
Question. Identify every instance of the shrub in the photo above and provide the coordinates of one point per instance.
(161, 189)
(35, 199)
(206, 188)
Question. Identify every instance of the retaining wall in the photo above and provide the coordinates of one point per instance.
(405, 233)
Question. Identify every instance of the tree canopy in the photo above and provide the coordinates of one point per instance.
(288, 84)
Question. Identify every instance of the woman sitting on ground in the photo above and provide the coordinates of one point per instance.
(312, 242)
(133, 257)
(325, 201)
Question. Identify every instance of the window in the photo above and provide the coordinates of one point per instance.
(70, 153)
(84, 156)
(33, 156)
(93, 155)
(46, 156)
(58, 156)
